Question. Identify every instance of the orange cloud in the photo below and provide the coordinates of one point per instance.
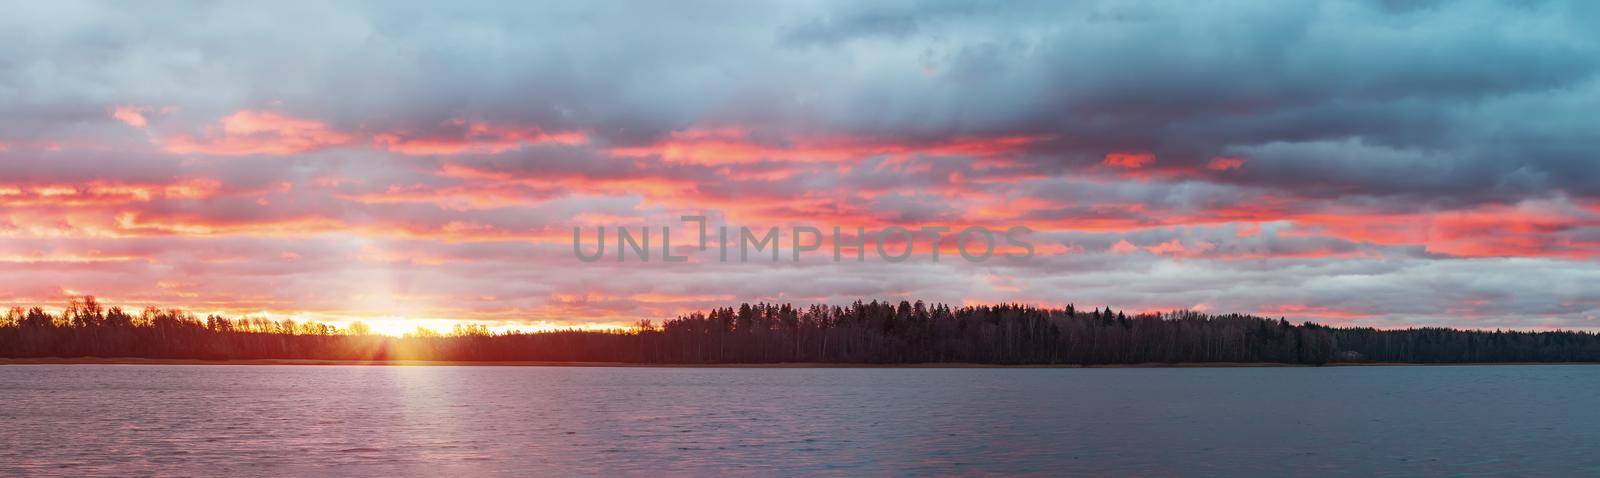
(258, 132)
(735, 145)
(101, 193)
(1528, 229)
(46, 258)
(136, 223)
(1134, 160)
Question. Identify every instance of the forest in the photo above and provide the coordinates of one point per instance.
(860, 333)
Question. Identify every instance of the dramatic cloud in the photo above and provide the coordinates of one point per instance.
(1353, 162)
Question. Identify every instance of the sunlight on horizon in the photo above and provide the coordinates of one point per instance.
(390, 325)
(399, 326)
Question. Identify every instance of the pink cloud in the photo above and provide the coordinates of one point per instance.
(258, 132)
(1129, 160)
(130, 115)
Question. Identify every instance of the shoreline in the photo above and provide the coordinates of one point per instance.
(437, 363)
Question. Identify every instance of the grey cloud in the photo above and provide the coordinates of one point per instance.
(1184, 80)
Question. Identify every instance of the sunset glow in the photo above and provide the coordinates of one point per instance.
(410, 174)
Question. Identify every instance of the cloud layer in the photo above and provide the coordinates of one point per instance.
(1372, 163)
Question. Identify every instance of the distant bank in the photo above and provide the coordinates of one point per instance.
(861, 334)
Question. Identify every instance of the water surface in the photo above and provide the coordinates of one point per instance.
(273, 420)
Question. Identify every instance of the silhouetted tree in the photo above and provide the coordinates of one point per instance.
(863, 332)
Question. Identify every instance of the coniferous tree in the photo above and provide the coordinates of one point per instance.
(863, 332)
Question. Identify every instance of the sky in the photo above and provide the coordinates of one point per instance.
(1367, 163)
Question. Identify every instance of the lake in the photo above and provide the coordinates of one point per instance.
(428, 420)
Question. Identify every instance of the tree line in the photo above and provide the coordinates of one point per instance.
(863, 332)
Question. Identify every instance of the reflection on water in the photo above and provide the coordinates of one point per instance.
(160, 419)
